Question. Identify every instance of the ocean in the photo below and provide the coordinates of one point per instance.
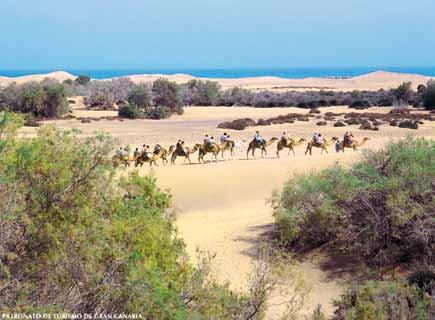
(291, 73)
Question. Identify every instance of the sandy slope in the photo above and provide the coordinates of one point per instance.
(371, 81)
(222, 207)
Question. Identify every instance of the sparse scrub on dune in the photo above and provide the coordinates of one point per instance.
(82, 80)
(429, 96)
(105, 94)
(374, 300)
(166, 94)
(380, 210)
(46, 99)
(202, 93)
(207, 93)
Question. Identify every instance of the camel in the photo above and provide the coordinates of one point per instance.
(323, 146)
(288, 143)
(117, 161)
(152, 159)
(228, 145)
(162, 154)
(254, 144)
(183, 152)
(354, 144)
(213, 148)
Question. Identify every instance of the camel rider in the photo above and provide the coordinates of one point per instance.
(125, 153)
(258, 138)
(223, 138)
(143, 149)
(146, 152)
(337, 145)
(211, 142)
(319, 139)
(157, 149)
(136, 153)
(315, 137)
(208, 141)
(283, 136)
(120, 153)
(182, 147)
(347, 138)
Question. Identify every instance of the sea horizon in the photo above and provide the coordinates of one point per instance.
(289, 73)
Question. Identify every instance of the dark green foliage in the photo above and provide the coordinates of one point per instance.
(82, 80)
(157, 113)
(387, 300)
(130, 111)
(73, 239)
(140, 96)
(403, 92)
(238, 124)
(429, 96)
(204, 93)
(381, 209)
(424, 279)
(45, 99)
(166, 95)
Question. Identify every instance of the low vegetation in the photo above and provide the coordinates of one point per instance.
(429, 95)
(384, 300)
(380, 210)
(400, 117)
(46, 99)
(208, 93)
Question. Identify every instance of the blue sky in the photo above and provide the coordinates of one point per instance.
(107, 34)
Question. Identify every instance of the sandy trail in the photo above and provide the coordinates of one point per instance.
(222, 207)
(223, 210)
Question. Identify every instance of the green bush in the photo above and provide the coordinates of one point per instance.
(140, 96)
(381, 209)
(204, 93)
(157, 113)
(82, 80)
(429, 96)
(166, 95)
(73, 239)
(375, 300)
(130, 111)
(45, 99)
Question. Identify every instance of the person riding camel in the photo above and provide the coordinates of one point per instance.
(143, 149)
(315, 137)
(347, 139)
(337, 145)
(319, 139)
(146, 152)
(211, 142)
(223, 138)
(120, 153)
(182, 147)
(208, 141)
(136, 153)
(157, 149)
(258, 138)
(125, 153)
(283, 136)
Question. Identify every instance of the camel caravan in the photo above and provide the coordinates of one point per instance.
(209, 146)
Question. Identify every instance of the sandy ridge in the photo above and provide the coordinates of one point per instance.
(371, 81)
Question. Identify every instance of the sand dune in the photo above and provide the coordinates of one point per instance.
(371, 81)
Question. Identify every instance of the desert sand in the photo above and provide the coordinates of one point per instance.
(370, 81)
(222, 208)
